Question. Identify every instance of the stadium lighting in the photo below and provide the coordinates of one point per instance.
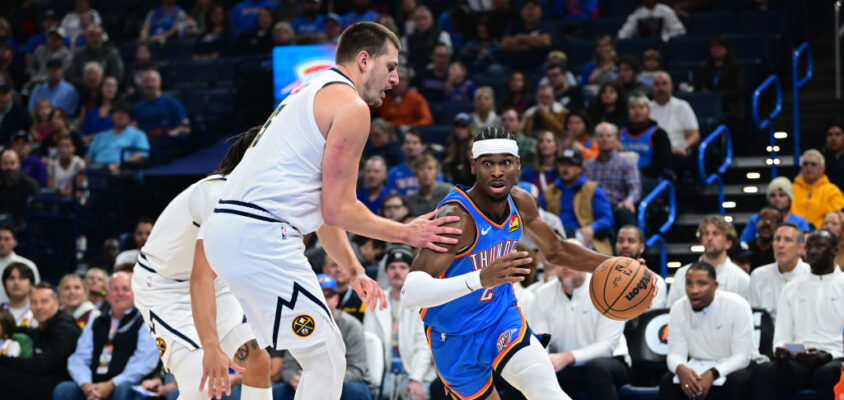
(753, 175)
(729, 204)
(674, 264)
(780, 135)
(696, 248)
(750, 189)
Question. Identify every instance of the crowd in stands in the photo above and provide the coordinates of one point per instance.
(83, 89)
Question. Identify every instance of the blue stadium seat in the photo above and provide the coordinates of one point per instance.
(444, 113)
(681, 74)
(687, 50)
(192, 74)
(637, 46)
(724, 4)
(435, 133)
(176, 49)
(711, 23)
(579, 52)
(754, 70)
(603, 26)
(621, 8)
(767, 21)
(707, 106)
(498, 83)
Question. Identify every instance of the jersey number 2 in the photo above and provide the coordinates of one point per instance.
(487, 294)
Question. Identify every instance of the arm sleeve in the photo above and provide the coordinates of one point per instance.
(688, 117)
(741, 346)
(607, 334)
(142, 142)
(629, 27)
(142, 362)
(783, 328)
(79, 363)
(356, 366)
(672, 27)
(678, 348)
(602, 211)
(422, 290)
(179, 111)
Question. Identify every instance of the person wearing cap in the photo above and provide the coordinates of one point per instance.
(356, 380)
(49, 21)
(61, 93)
(13, 115)
(15, 187)
(430, 192)
(333, 28)
(107, 147)
(814, 194)
(96, 49)
(310, 26)
(617, 175)
(547, 114)
(581, 204)
(54, 48)
(780, 196)
(405, 108)
(31, 164)
(406, 356)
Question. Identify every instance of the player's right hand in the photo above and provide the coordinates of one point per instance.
(425, 233)
(215, 368)
(504, 269)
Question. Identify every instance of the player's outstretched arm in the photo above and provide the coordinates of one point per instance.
(421, 288)
(347, 125)
(556, 250)
(203, 300)
(337, 246)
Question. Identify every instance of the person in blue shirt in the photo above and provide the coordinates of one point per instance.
(401, 177)
(244, 16)
(49, 20)
(108, 145)
(310, 27)
(60, 93)
(472, 319)
(361, 11)
(779, 196)
(158, 114)
(569, 198)
(374, 190)
(163, 22)
(115, 351)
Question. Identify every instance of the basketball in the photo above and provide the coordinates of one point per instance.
(622, 288)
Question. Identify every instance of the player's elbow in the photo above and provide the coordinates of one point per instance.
(332, 215)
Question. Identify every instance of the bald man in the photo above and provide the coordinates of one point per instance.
(674, 115)
(158, 114)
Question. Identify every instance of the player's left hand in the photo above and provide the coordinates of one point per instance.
(414, 391)
(369, 291)
(425, 233)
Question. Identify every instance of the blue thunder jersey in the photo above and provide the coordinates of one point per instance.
(482, 308)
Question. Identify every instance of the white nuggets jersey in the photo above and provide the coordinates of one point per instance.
(169, 249)
(281, 173)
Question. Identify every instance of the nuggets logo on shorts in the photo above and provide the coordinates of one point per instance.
(514, 223)
(303, 325)
(505, 338)
(162, 346)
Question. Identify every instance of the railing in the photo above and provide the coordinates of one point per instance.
(839, 31)
(715, 177)
(768, 122)
(796, 85)
(672, 213)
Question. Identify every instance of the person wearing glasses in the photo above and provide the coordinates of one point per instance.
(814, 194)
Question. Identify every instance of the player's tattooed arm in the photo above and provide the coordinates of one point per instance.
(556, 250)
(242, 352)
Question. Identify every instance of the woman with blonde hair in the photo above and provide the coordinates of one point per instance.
(73, 294)
(484, 115)
(602, 68)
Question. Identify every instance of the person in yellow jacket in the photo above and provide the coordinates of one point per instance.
(814, 194)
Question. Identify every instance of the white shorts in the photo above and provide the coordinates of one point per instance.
(165, 305)
(264, 265)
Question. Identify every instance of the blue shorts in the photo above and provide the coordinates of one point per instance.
(465, 362)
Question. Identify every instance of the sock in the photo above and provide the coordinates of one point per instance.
(256, 393)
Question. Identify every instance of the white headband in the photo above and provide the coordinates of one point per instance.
(495, 146)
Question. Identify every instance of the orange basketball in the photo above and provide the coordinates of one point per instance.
(621, 288)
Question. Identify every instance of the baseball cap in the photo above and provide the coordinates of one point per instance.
(50, 13)
(463, 119)
(571, 155)
(21, 134)
(327, 282)
(335, 17)
(399, 253)
(57, 31)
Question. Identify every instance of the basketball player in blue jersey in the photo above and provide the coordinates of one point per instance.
(473, 323)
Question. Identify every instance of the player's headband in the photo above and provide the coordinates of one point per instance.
(495, 146)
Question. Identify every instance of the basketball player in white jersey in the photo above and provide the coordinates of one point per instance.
(299, 176)
(162, 290)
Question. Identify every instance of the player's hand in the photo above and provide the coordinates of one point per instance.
(561, 360)
(425, 233)
(688, 382)
(369, 291)
(705, 382)
(782, 354)
(215, 369)
(504, 269)
(151, 384)
(414, 391)
(294, 381)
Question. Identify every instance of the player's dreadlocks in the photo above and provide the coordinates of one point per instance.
(235, 152)
(493, 133)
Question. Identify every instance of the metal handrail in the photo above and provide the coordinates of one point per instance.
(715, 177)
(672, 214)
(768, 123)
(797, 84)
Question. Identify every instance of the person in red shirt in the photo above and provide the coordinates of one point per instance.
(405, 108)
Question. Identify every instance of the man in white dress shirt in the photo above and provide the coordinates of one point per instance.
(767, 281)
(407, 359)
(588, 350)
(807, 338)
(717, 236)
(710, 339)
(630, 242)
